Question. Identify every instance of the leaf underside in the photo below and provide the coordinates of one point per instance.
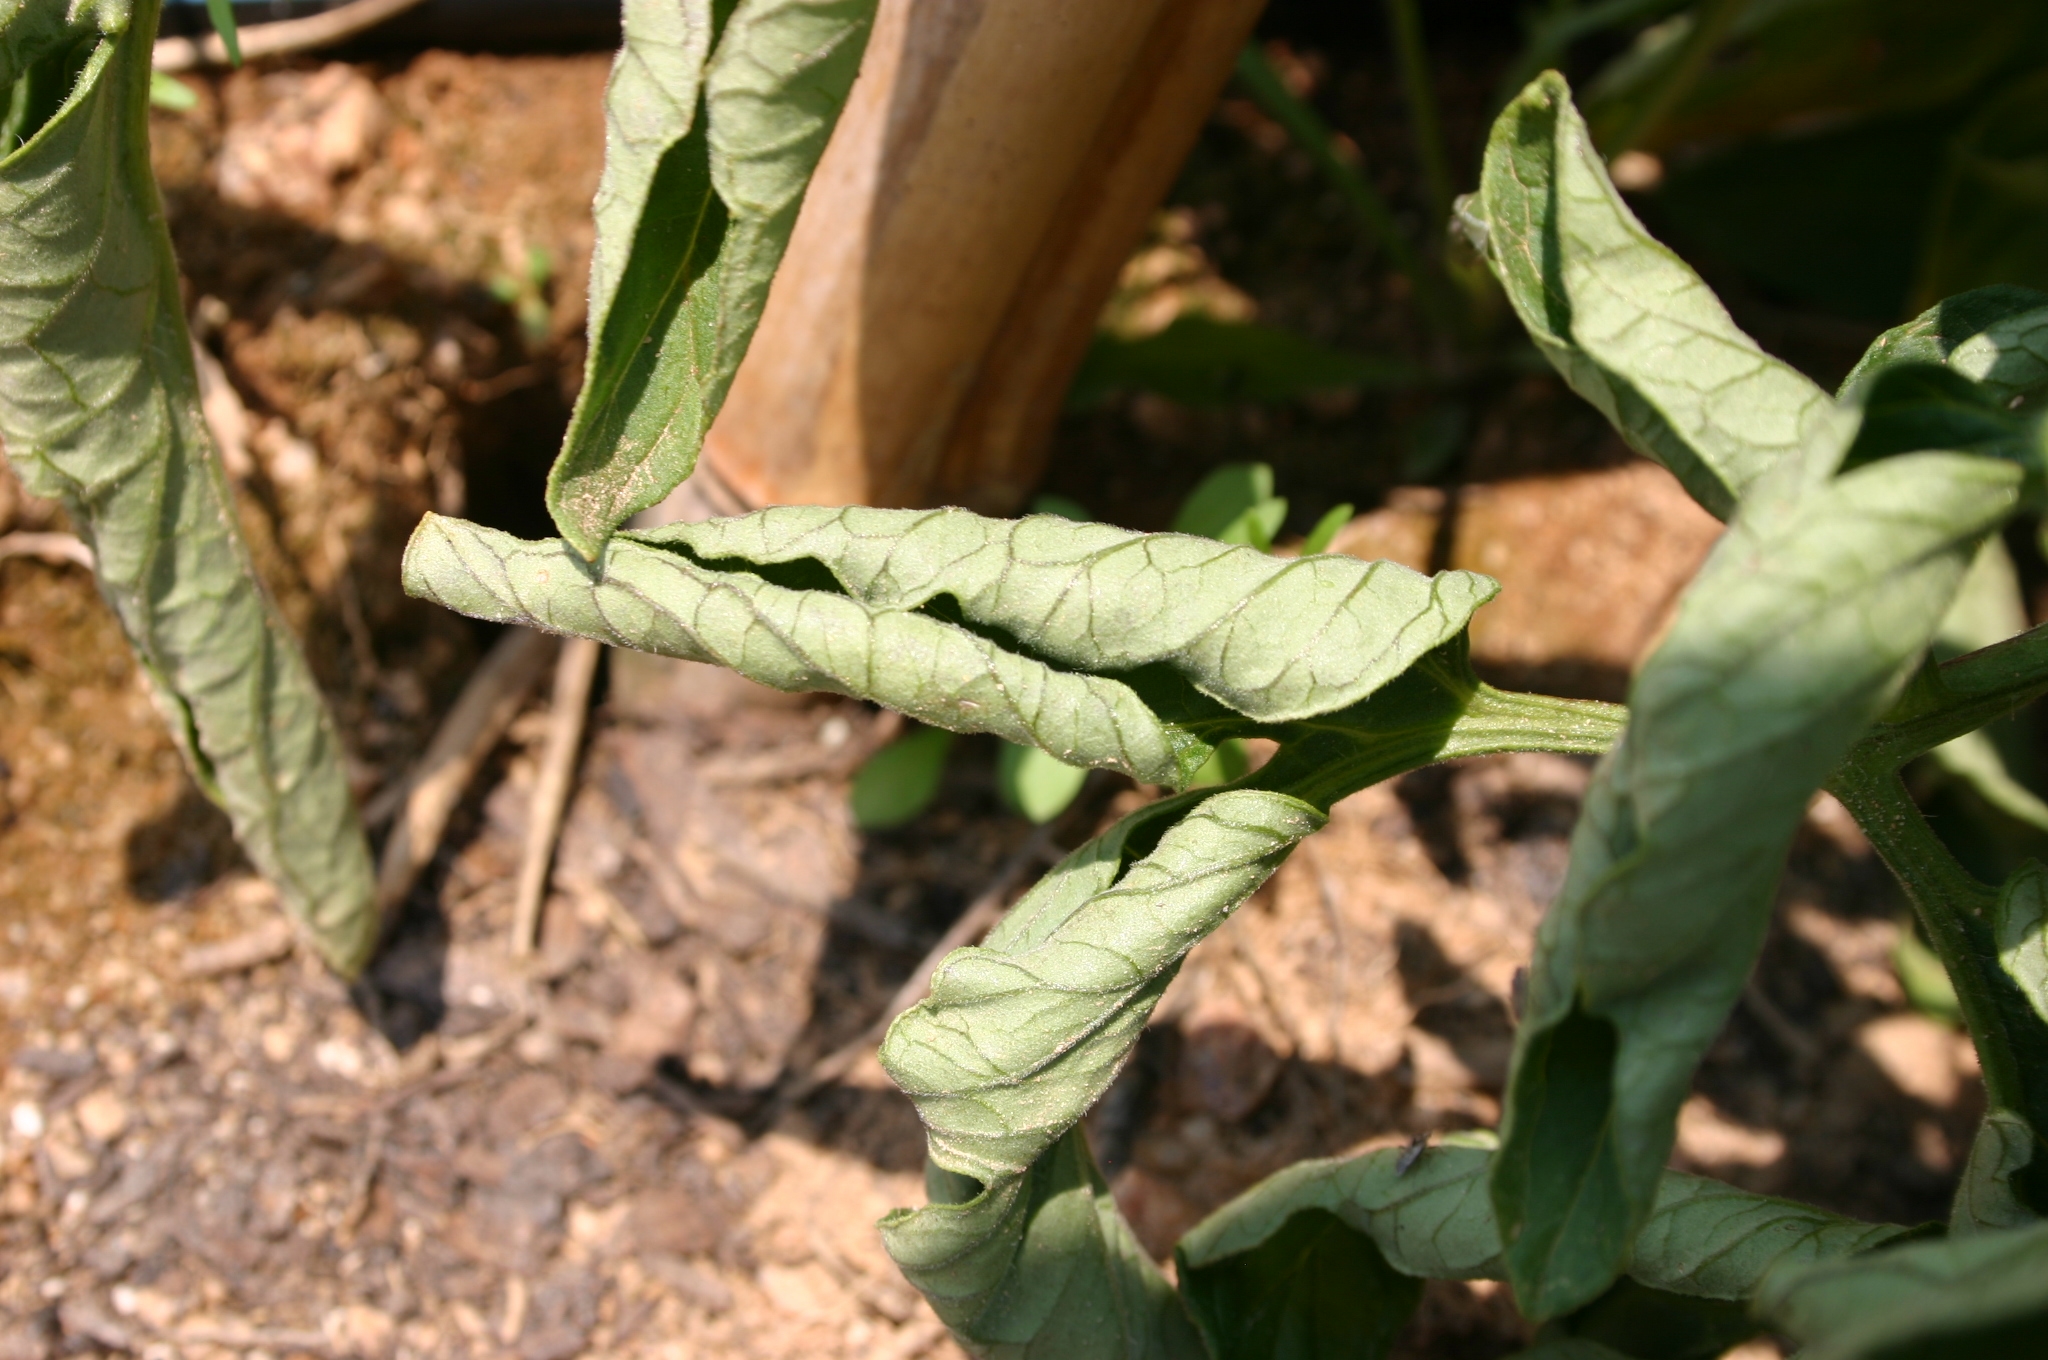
(707, 156)
(99, 409)
(1043, 604)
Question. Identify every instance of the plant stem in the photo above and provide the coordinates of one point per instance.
(1951, 903)
(1313, 136)
(1966, 693)
(1497, 720)
(1413, 53)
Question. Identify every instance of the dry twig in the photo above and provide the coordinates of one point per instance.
(575, 668)
(53, 548)
(277, 39)
(482, 712)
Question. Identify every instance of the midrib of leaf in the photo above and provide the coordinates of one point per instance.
(89, 290)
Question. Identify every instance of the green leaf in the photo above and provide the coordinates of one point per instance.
(1200, 361)
(1703, 1240)
(222, 15)
(1642, 1323)
(1048, 504)
(899, 781)
(1909, 407)
(1623, 319)
(1986, 1200)
(1229, 762)
(1985, 220)
(2020, 924)
(1224, 498)
(1571, 1348)
(1318, 1289)
(1020, 1035)
(1927, 985)
(2001, 333)
(773, 92)
(1796, 633)
(168, 92)
(1325, 631)
(1430, 1220)
(640, 418)
(705, 170)
(1040, 1267)
(1036, 784)
(1964, 1298)
(1327, 528)
(99, 408)
(1844, 60)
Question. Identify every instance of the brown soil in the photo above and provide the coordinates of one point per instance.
(470, 1156)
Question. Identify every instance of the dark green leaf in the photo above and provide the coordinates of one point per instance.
(99, 408)
(900, 780)
(1842, 58)
(1986, 224)
(1968, 1298)
(1650, 1324)
(1318, 1289)
(1796, 633)
(1200, 361)
(1908, 407)
(2012, 351)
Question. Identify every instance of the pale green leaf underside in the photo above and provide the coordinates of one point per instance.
(773, 91)
(1040, 1267)
(1275, 639)
(1703, 1238)
(1980, 1295)
(650, 104)
(1021, 1035)
(641, 415)
(1985, 1199)
(1795, 633)
(1318, 633)
(1623, 319)
(99, 408)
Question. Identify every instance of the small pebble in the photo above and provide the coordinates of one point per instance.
(27, 1119)
(103, 1115)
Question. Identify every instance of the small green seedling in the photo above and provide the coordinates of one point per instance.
(899, 781)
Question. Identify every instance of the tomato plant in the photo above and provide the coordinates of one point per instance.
(1800, 659)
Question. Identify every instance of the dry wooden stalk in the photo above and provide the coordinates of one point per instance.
(485, 708)
(993, 168)
(575, 669)
(279, 38)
